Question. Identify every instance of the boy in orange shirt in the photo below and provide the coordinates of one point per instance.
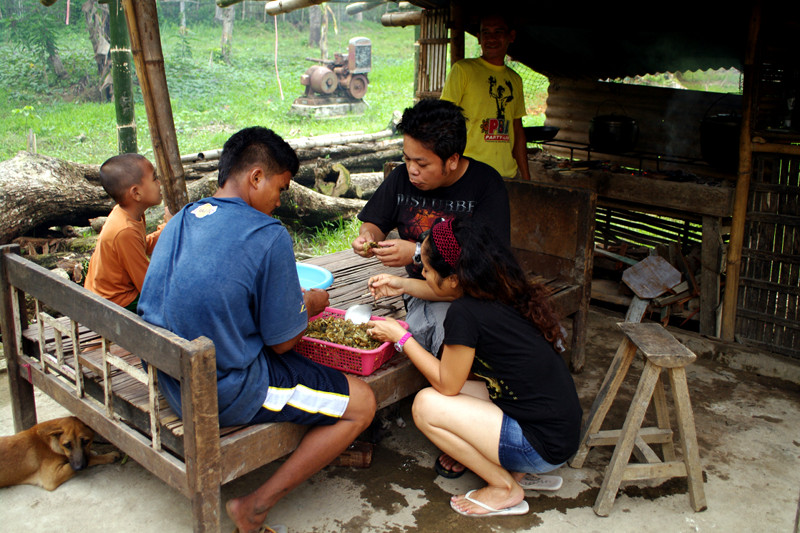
(120, 259)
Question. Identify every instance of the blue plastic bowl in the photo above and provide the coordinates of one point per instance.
(313, 277)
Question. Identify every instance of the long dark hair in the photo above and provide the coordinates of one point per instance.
(487, 270)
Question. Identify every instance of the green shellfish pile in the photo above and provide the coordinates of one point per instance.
(340, 331)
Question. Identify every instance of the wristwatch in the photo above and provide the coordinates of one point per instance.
(418, 254)
(399, 344)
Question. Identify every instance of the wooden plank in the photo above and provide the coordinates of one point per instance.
(657, 344)
(688, 438)
(677, 196)
(609, 437)
(154, 344)
(642, 472)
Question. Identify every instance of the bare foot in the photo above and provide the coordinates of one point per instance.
(494, 497)
(451, 464)
(246, 519)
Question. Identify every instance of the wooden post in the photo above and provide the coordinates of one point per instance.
(201, 434)
(709, 276)
(734, 257)
(23, 402)
(456, 32)
(142, 17)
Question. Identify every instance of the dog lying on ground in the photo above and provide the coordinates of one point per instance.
(49, 453)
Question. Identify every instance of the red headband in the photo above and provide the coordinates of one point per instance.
(446, 243)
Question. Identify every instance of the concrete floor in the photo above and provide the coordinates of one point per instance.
(749, 436)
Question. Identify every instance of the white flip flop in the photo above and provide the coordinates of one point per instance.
(519, 509)
(540, 482)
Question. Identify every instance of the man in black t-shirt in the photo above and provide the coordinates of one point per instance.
(435, 182)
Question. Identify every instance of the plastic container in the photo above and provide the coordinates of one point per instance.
(345, 358)
(314, 277)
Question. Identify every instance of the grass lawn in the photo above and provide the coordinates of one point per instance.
(210, 99)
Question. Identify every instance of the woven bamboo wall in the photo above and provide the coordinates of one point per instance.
(769, 293)
(433, 59)
(615, 226)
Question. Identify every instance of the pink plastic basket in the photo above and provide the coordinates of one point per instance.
(354, 360)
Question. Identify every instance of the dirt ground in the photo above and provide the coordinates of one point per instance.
(748, 428)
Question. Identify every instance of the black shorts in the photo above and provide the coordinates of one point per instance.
(303, 392)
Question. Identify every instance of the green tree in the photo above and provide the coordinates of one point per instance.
(34, 30)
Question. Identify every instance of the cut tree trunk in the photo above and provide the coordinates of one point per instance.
(40, 191)
(96, 23)
(314, 19)
(312, 208)
(226, 15)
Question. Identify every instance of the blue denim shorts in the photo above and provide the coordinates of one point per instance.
(517, 454)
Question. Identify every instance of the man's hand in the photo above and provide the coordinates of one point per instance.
(363, 244)
(368, 239)
(395, 252)
(316, 301)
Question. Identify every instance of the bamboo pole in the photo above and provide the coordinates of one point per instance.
(734, 257)
(277, 7)
(359, 7)
(277, 74)
(409, 18)
(121, 64)
(142, 17)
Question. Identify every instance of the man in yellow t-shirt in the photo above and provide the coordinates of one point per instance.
(492, 97)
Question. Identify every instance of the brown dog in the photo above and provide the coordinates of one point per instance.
(48, 454)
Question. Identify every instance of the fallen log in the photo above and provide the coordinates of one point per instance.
(313, 209)
(346, 150)
(307, 146)
(40, 191)
(366, 162)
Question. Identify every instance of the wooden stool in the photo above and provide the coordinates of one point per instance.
(661, 351)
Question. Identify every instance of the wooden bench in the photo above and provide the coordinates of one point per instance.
(106, 387)
(552, 236)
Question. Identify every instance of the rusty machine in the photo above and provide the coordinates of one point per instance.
(337, 87)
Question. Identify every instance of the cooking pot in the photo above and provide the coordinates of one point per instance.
(613, 133)
(719, 140)
(539, 133)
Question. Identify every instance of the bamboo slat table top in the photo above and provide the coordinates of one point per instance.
(351, 273)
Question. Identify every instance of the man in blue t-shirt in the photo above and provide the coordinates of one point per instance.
(225, 269)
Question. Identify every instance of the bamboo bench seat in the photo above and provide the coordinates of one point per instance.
(107, 387)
